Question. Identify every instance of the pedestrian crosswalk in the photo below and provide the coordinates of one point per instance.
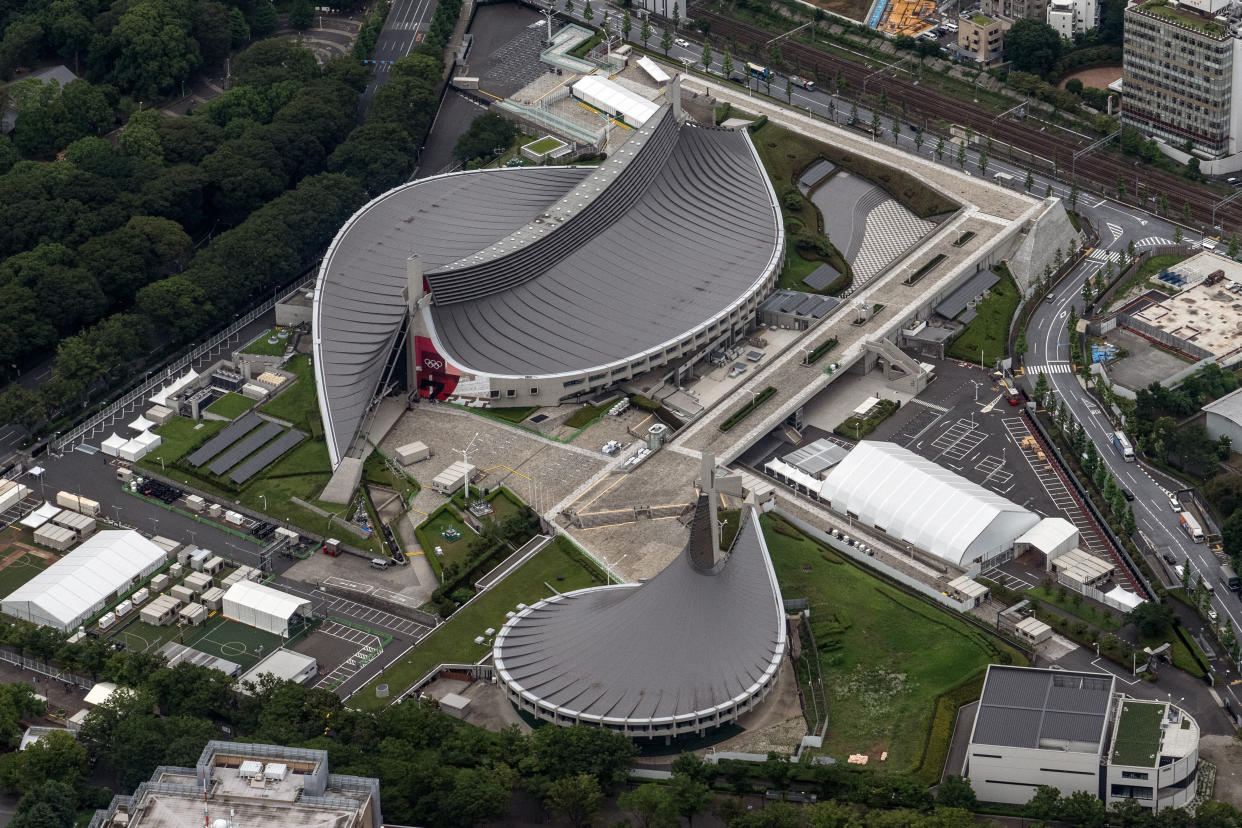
(1099, 255)
(1050, 368)
(1153, 241)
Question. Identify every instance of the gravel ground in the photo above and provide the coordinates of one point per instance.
(1226, 753)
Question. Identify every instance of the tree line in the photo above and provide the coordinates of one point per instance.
(264, 175)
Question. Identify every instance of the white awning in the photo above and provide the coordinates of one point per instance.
(653, 70)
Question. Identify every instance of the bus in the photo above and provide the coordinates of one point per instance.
(1122, 444)
(758, 72)
(1192, 527)
(1230, 578)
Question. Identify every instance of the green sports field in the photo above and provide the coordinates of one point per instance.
(19, 572)
(218, 637)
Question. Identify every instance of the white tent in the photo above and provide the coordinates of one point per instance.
(653, 70)
(112, 446)
(262, 607)
(141, 424)
(149, 439)
(911, 498)
(85, 581)
(40, 516)
(614, 99)
(132, 450)
(1121, 599)
(161, 396)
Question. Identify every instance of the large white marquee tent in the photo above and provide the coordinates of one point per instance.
(85, 581)
(262, 607)
(911, 498)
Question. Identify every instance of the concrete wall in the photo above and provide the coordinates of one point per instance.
(1011, 775)
(1038, 244)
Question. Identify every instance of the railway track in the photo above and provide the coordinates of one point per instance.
(1103, 170)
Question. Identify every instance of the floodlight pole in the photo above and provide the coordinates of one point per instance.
(465, 457)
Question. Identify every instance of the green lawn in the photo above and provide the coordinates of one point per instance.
(509, 415)
(859, 427)
(296, 403)
(19, 572)
(585, 415)
(1081, 609)
(453, 641)
(886, 655)
(218, 636)
(231, 405)
(989, 331)
(1137, 280)
(1138, 734)
(797, 268)
(180, 434)
(428, 534)
(262, 347)
(544, 144)
(505, 503)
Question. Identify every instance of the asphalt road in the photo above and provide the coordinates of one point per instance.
(405, 27)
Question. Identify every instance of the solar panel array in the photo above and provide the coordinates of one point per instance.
(265, 457)
(239, 450)
(229, 435)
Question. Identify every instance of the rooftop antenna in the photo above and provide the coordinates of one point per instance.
(465, 458)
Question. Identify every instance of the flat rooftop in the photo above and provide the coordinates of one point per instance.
(1207, 314)
(1138, 734)
(1033, 708)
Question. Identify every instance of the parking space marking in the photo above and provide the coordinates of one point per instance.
(369, 646)
(1088, 539)
(958, 440)
(992, 466)
(374, 617)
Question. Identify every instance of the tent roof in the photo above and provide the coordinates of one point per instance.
(104, 563)
(265, 599)
(40, 516)
(115, 441)
(141, 424)
(1049, 533)
(636, 109)
(912, 498)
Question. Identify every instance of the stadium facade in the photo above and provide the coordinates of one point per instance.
(537, 285)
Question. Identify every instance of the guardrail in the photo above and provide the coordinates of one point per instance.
(105, 416)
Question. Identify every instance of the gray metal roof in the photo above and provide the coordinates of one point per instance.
(695, 232)
(821, 277)
(1228, 406)
(1036, 708)
(678, 645)
(358, 296)
(700, 239)
(956, 302)
(797, 303)
(817, 457)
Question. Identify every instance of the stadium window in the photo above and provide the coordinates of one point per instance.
(495, 392)
(534, 392)
(510, 392)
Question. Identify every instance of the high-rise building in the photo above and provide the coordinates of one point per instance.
(1180, 69)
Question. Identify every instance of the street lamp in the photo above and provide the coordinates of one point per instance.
(161, 459)
(155, 523)
(263, 497)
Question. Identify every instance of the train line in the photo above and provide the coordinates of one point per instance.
(1102, 169)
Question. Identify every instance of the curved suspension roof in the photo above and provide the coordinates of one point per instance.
(539, 271)
(912, 498)
(687, 643)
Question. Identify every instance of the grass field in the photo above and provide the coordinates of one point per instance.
(545, 144)
(508, 415)
(19, 572)
(1137, 280)
(453, 641)
(886, 655)
(428, 534)
(297, 402)
(262, 347)
(989, 331)
(583, 416)
(219, 637)
(180, 434)
(231, 405)
(1091, 614)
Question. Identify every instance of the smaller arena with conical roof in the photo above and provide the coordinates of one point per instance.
(693, 648)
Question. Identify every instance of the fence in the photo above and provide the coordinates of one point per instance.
(184, 363)
(44, 668)
(1091, 592)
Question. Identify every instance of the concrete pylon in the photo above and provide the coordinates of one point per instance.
(707, 474)
(674, 95)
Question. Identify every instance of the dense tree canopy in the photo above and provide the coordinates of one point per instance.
(1032, 45)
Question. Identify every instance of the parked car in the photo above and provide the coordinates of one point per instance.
(682, 42)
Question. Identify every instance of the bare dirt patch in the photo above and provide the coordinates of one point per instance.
(1098, 76)
(1225, 752)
